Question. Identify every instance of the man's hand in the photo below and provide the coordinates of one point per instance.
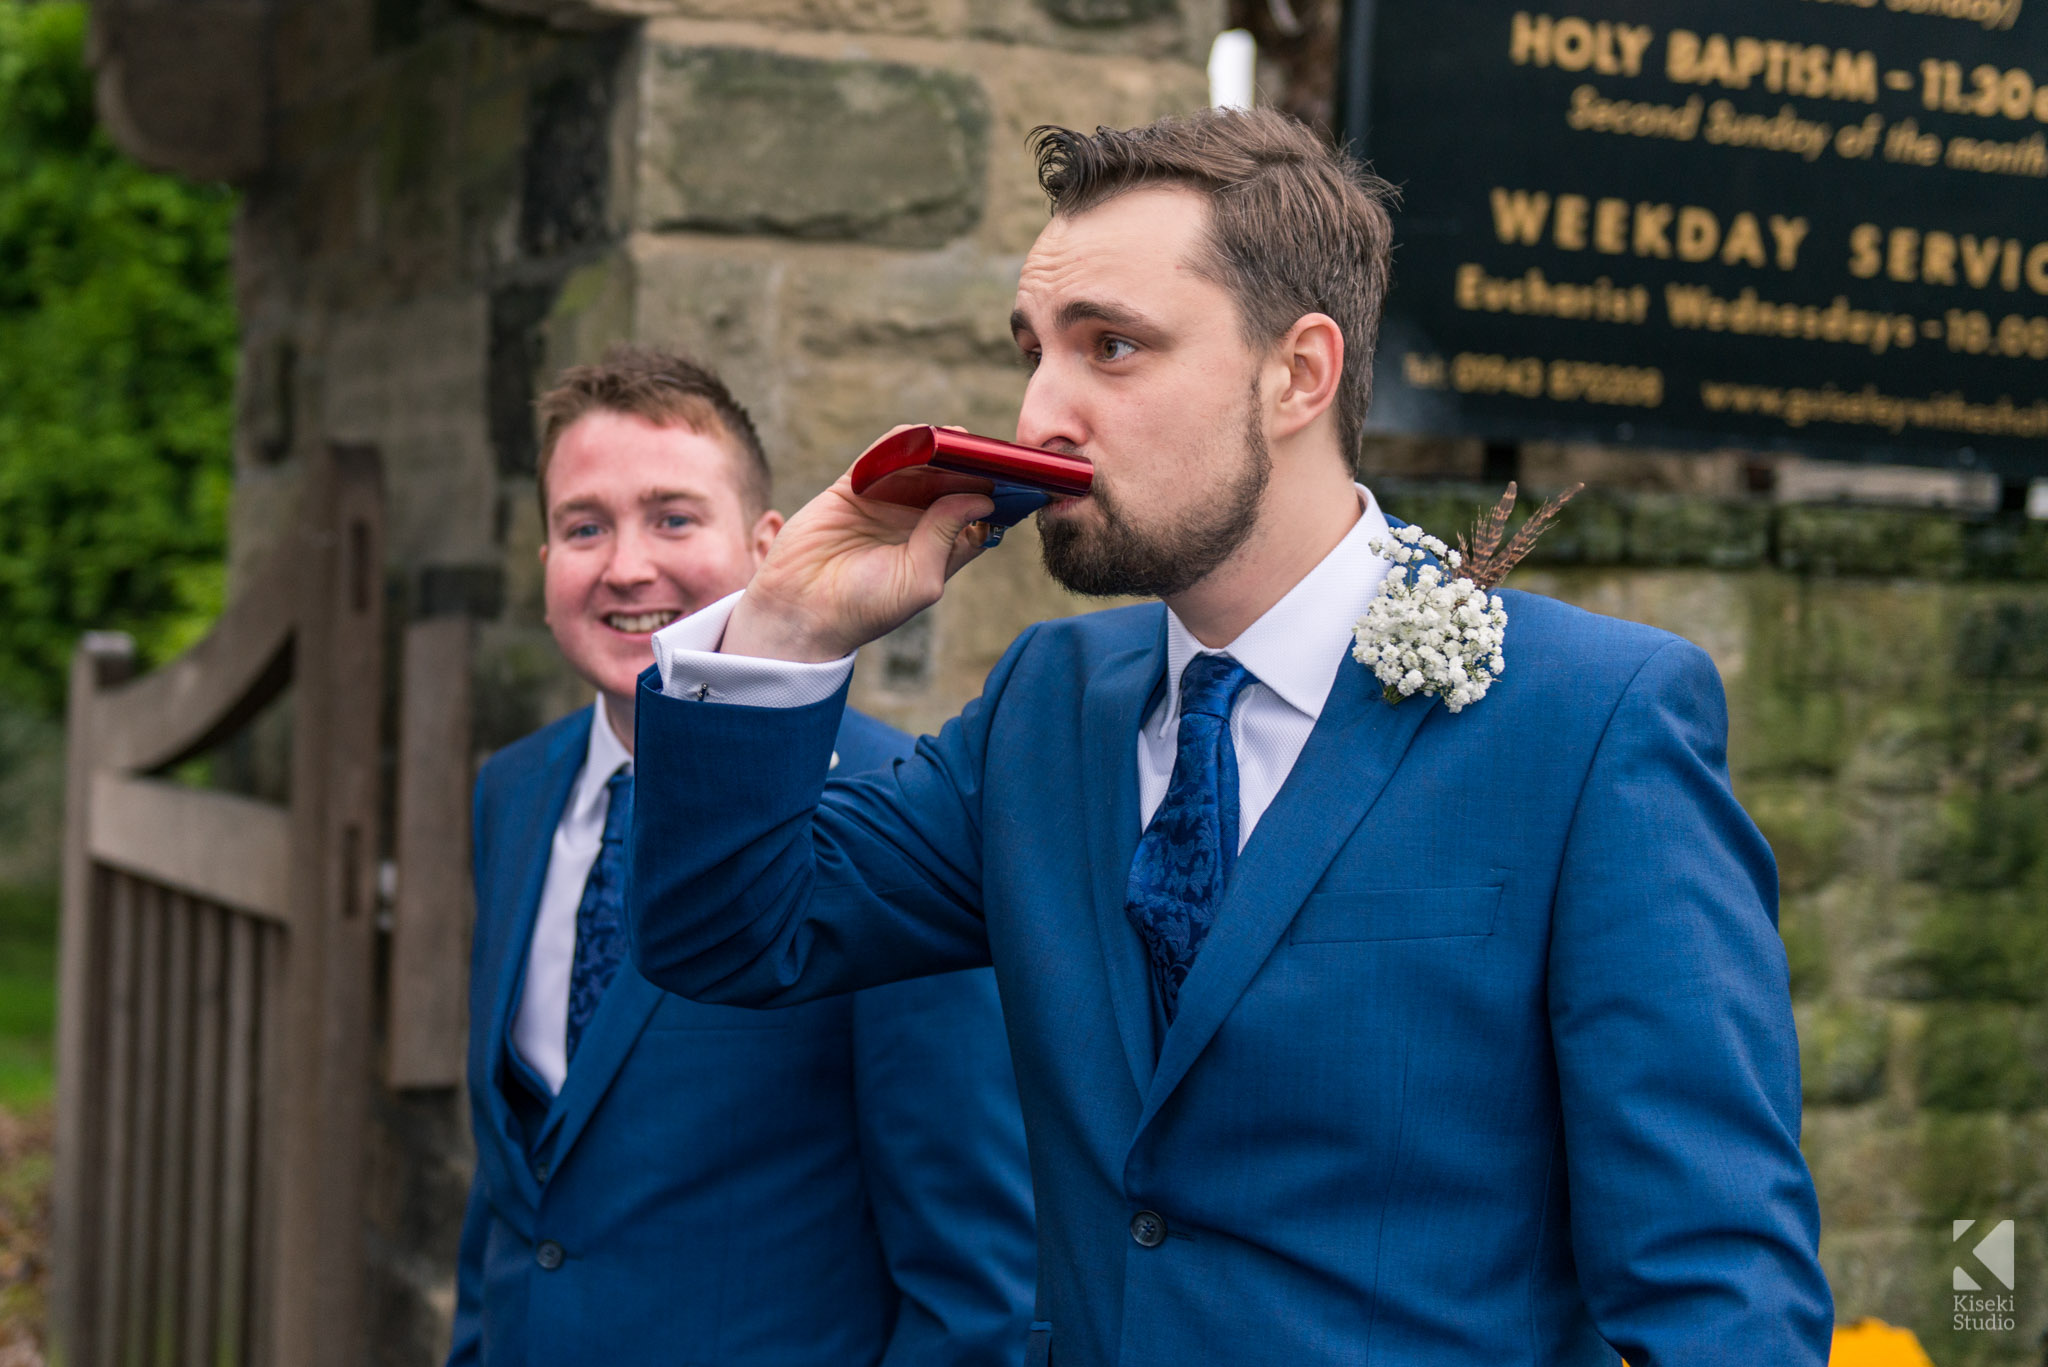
(847, 570)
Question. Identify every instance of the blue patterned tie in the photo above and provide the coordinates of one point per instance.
(1186, 854)
(600, 935)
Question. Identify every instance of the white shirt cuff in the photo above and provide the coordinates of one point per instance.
(692, 669)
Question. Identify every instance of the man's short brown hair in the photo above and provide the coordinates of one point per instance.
(1295, 226)
(667, 390)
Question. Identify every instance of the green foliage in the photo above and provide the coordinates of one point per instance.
(28, 995)
(117, 356)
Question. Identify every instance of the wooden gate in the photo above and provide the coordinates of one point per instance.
(215, 994)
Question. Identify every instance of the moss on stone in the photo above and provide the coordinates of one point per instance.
(1806, 949)
(1842, 1051)
(1880, 541)
(1983, 1058)
(1806, 827)
(1985, 946)
(1669, 529)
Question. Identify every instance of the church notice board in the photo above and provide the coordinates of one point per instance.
(1814, 224)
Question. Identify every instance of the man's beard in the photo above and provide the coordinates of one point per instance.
(1116, 559)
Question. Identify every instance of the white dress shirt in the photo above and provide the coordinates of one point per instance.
(1294, 651)
(540, 1027)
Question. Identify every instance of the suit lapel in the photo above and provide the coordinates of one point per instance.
(1357, 744)
(1113, 709)
(628, 1004)
(529, 839)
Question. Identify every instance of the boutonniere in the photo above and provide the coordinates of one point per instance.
(1437, 627)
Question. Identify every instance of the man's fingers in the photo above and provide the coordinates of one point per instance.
(973, 540)
(943, 524)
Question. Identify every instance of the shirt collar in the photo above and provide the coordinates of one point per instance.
(605, 756)
(1296, 648)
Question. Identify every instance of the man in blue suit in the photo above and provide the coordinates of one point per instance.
(1347, 1031)
(660, 1181)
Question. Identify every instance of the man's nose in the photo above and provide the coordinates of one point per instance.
(1050, 415)
(632, 562)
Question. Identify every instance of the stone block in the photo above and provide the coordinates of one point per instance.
(1106, 13)
(1807, 828)
(739, 140)
(593, 311)
(1984, 946)
(1901, 750)
(1593, 529)
(1995, 840)
(1983, 1058)
(1030, 85)
(411, 382)
(717, 305)
(2004, 639)
(185, 88)
(912, 18)
(1870, 541)
(948, 307)
(1863, 1159)
(1806, 948)
(836, 409)
(1151, 28)
(1669, 529)
(1842, 1051)
(2007, 548)
(1876, 1273)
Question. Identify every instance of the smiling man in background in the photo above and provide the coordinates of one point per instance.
(660, 1181)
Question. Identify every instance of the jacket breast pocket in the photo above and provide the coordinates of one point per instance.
(678, 1013)
(1341, 917)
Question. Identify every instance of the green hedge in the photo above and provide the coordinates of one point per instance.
(117, 360)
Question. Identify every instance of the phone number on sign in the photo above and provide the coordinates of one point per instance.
(1531, 377)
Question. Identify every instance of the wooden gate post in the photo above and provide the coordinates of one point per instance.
(323, 1069)
(102, 660)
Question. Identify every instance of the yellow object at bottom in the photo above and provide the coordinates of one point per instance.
(1873, 1343)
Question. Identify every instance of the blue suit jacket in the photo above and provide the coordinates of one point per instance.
(839, 1183)
(1488, 1058)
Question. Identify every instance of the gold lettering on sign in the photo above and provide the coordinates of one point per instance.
(1575, 44)
(1778, 67)
(1617, 227)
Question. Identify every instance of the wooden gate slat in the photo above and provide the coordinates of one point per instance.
(111, 1313)
(209, 1041)
(171, 1182)
(147, 1125)
(238, 1132)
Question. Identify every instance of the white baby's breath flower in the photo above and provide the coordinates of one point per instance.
(1429, 632)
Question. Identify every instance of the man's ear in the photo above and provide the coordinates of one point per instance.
(1310, 362)
(766, 529)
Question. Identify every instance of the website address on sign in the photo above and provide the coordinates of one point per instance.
(1868, 407)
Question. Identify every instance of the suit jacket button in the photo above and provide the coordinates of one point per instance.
(1148, 1228)
(549, 1255)
(540, 1170)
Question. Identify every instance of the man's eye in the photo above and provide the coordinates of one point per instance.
(1114, 349)
(1028, 359)
(582, 531)
(675, 522)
